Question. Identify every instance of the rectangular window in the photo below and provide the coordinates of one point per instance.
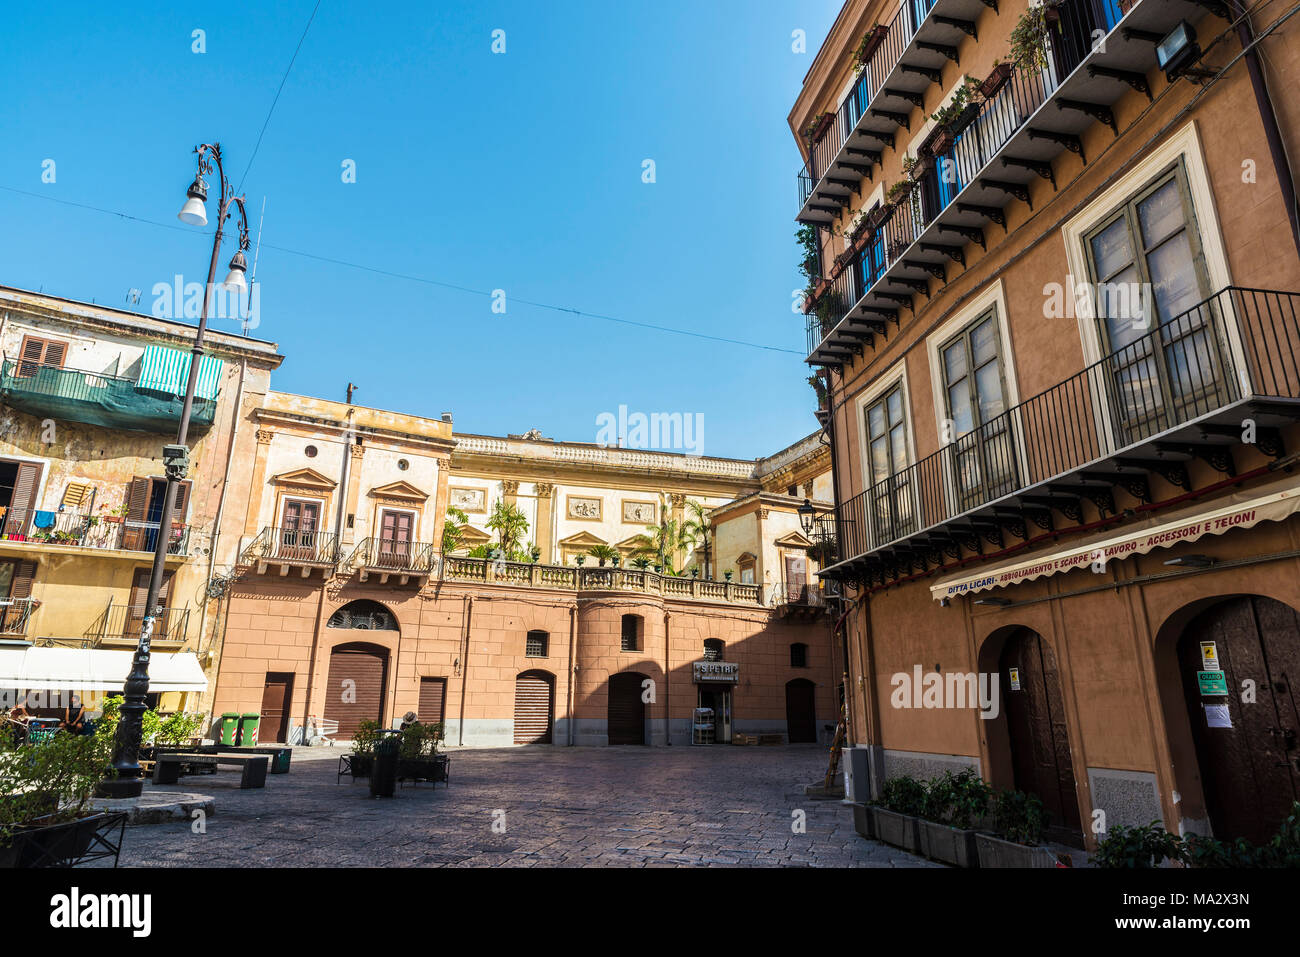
(535, 645)
(982, 453)
(631, 633)
(891, 490)
(38, 353)
(1163, 360)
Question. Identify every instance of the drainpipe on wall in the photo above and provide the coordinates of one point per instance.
(311, 662)
(464, 669)
(573, 670)
(340, 512)
(1276, 148)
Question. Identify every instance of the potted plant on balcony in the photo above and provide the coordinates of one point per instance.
(871, 40)
(603, 553)
(1030, 34)
(815, 130)
(727, 574)
(996, 79)
(961, 110)
(823, 399)
(899, 190)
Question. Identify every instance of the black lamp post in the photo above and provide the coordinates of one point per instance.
(124, 779)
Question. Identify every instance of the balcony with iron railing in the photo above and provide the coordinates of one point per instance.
(96, 398)
(119, 625)
(996, 151)
(922, 36)
(1177, 393)
(394, 558)
(292, 548)
(39, 529)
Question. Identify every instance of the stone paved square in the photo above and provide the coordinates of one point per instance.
(563, 807)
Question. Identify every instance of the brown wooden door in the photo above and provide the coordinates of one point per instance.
(1250, 772)
(1040, 741)
(626, 709)
(395, 539)
(433, 696)
(796, 577)
(355, 689)
(277, 698)
(801, 711)
(299, 530)
(534, 699)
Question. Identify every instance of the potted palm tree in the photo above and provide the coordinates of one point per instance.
(603, 553)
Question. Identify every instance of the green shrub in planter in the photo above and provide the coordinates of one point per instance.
(1019, 817)
(1139, 847)
(46, 784)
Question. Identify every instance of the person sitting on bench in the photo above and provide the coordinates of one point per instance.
(74, 716)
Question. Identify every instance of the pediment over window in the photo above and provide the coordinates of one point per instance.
(471, 536)
(794, 540)
(305, 478)
(582, 540)
(404, 491)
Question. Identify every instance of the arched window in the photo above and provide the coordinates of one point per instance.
(535, 645)
(799, 655)
(713, 649)
(633, 629)
(364, 615)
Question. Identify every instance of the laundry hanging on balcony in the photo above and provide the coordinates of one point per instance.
(167, 370)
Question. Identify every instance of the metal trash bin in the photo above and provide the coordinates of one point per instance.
(383, 772)
(227, 729)
(247, 736)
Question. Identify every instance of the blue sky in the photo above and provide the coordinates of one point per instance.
(520, 172)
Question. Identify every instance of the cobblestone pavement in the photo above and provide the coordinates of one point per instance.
(566, 807)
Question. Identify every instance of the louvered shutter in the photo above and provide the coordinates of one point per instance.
(54, 353)
(137, 499)
(24, 575)
(182, 501)
(532, 709)
(365, 668)
(18, 520)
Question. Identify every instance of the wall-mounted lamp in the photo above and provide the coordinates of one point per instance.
(1176, 53)
(1192, 561)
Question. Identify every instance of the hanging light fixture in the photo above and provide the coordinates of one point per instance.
(235, 281)
(193, 212)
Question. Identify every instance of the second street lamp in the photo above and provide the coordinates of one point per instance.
(124, 773)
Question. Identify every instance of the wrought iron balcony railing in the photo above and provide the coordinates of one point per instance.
(1102, 427)
(395, 556)
(995, 151)
(122, 623)
(108, 532)
(96, 398)
(293, 546)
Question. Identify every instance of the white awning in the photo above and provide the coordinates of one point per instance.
(1242, 513)
(94, 669)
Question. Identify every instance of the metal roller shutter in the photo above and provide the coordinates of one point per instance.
(533, 697)
(433, 692)
(366, 667)
(626, 709)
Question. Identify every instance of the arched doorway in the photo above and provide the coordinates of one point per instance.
(355, 690)
(534, 707)
(801, 711)
(626, 709)
(1250, 758)
(1037, 730)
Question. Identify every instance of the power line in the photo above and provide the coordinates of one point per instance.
(420, 279)
(278, 90)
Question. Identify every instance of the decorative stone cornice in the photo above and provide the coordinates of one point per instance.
(545, 490)
(510, 486)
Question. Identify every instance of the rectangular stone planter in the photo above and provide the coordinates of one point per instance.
(948, 844)
(995, 852)
(897, 829)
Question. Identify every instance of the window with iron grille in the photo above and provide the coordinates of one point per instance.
(631, 633)
(799, 655)
(535, 646)
(713, 648)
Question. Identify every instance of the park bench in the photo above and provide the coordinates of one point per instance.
(280, 756)
(167, 766)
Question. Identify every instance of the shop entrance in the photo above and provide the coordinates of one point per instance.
(626, 717)
(1036, 726)
(1248, 754)
(712, 715)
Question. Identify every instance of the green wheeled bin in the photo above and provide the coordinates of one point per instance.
(247, 737)
(227, 729)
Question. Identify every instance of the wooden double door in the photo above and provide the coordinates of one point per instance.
(626, 715)
(1250, 757)
(1039, 736)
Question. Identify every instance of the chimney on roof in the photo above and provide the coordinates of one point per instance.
(446, 417)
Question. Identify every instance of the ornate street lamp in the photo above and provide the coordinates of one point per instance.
(807, 516)
(124, 780)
